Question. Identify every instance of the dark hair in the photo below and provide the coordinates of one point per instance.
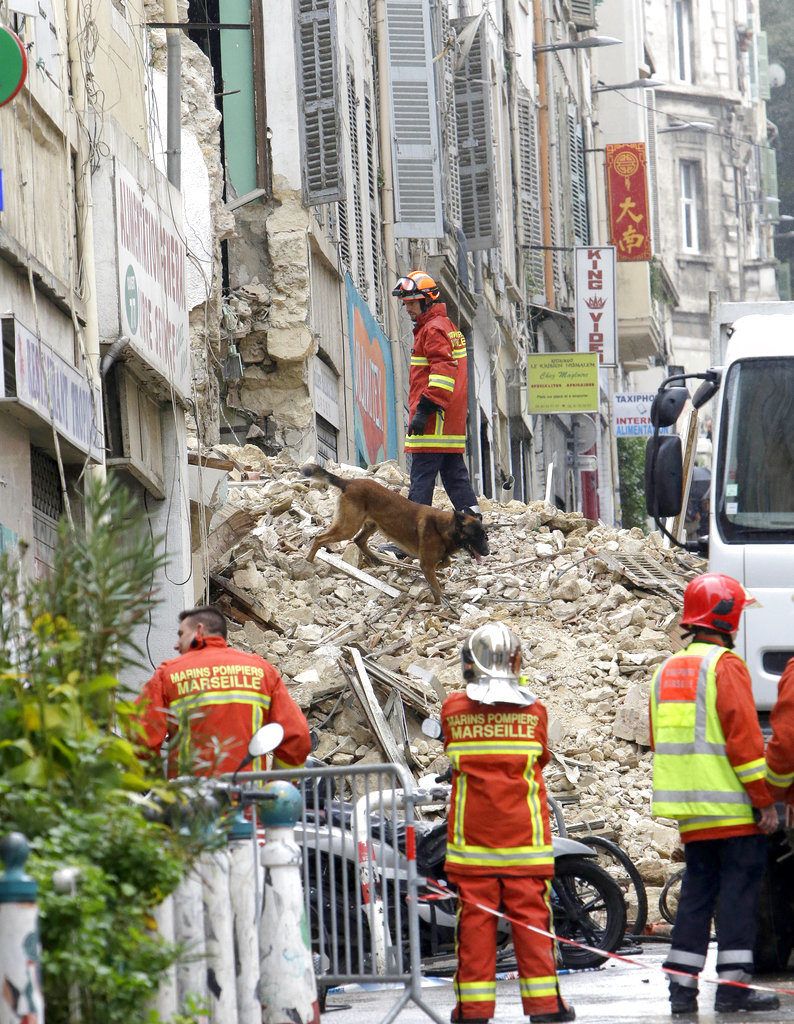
(213, 621)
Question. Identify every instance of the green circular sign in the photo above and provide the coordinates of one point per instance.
(13, 65)
(131, 299)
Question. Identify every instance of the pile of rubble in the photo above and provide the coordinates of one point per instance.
(368, 655)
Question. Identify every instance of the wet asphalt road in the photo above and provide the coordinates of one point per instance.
(615, 994)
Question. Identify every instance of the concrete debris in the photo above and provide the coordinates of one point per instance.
(591, 638)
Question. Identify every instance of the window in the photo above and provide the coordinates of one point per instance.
(682, 40)
(47, 502)
(690, 203)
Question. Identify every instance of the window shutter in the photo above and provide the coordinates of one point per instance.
(763, 66)
(449, 120)
(319, 93)
(583, 13)
(414, 124)
(475, 145)
(374, 211)
(581, 226)
(769, 182)
(653, 179)
(344, 235)
(355, 165)
(531, 215)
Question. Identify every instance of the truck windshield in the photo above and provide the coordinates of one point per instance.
(755, 476)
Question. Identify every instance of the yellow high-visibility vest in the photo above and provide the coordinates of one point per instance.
(693, 780)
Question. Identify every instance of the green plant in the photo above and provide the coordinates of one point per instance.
(70, 776)
(631, 469)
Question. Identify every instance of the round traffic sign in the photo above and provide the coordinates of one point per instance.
(13, 65)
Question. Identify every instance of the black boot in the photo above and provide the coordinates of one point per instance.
(731, 999)
(564, 1012)
(683, 998)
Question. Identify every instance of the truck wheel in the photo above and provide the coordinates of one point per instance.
(775, 926)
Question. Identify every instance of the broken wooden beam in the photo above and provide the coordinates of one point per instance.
(358, 574)
(362, 688)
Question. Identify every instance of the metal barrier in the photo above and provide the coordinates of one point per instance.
(360, 881)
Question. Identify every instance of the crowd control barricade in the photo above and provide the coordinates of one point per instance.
(356, 833)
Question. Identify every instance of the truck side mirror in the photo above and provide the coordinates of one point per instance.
(667, 405)
(664, 475)
(707, 390)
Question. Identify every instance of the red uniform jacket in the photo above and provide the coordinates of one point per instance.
(744, 741)
(780, 752)
(214, 699)
(438, 370)
(498, 817)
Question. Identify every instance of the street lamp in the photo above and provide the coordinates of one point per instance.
(590, 43)
(640, 83)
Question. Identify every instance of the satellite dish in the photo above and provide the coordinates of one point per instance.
(586, 433)
(777, 75)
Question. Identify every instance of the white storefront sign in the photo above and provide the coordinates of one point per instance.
(45, 381)
(152, 260)
(596, 313)
(326, 393)
(631, 415)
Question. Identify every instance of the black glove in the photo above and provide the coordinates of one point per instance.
(424, 411)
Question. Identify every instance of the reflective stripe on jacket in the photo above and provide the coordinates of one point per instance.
(498, 818)
(439, 372)
(780, 753)
(693, 779)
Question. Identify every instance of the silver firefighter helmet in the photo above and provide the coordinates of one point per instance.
(491, 663)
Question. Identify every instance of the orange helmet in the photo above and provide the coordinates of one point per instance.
(715, 601)
(417, 285)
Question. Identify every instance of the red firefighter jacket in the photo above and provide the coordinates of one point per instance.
(744, 742)
(780, 752)
(212, 700)
(438, 370)
(499, 817)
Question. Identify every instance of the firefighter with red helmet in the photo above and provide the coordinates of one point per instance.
(499, 849)
(437, 396)
(709, 774)
(780, 752)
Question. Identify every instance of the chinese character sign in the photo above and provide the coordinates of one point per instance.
(596, 317)
(627, 187)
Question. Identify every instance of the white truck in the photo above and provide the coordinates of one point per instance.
(751, 518)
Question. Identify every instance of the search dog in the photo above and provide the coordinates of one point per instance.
(430, 534)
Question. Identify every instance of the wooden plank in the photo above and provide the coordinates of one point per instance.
(357, 574)
(210, 461)
(249, 609)
(236, 523)
(362, 687)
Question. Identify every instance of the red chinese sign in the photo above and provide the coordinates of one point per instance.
(629, 213)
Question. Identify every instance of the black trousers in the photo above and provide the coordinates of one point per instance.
(425, 467)
(722, 875)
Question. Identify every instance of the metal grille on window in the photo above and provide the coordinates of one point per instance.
(355, 166)
(475, 144)
(318, 86)
(47, 502)
(374, 208)
(531, 219)
(327, 437)
(449, 117)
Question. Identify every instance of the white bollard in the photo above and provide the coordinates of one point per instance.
(191, 968)
(245, 867)
(165, 1003)
(20, 950)
(287, 987)
(219, 936)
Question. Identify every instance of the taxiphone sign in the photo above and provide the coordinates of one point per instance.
(152, 259)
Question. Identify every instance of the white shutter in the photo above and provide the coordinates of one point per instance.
(581, 226)
(653, 177)
(530, 210)
(762, 49)
(449, 120)
(374, 209)
(319, 95)
(355, 165)
(414, 121)
(583, 13)
(475, 145)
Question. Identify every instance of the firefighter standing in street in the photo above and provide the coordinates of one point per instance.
(212, 699)
(708, 773)
(499, 849)
(437, 397)
(780, 752)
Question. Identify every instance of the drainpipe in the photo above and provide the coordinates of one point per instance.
(387, 216)
(173, 42)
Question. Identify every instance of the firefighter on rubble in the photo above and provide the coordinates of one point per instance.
(709, 774)
(438, 393)
(499, 849)
(209, 701)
